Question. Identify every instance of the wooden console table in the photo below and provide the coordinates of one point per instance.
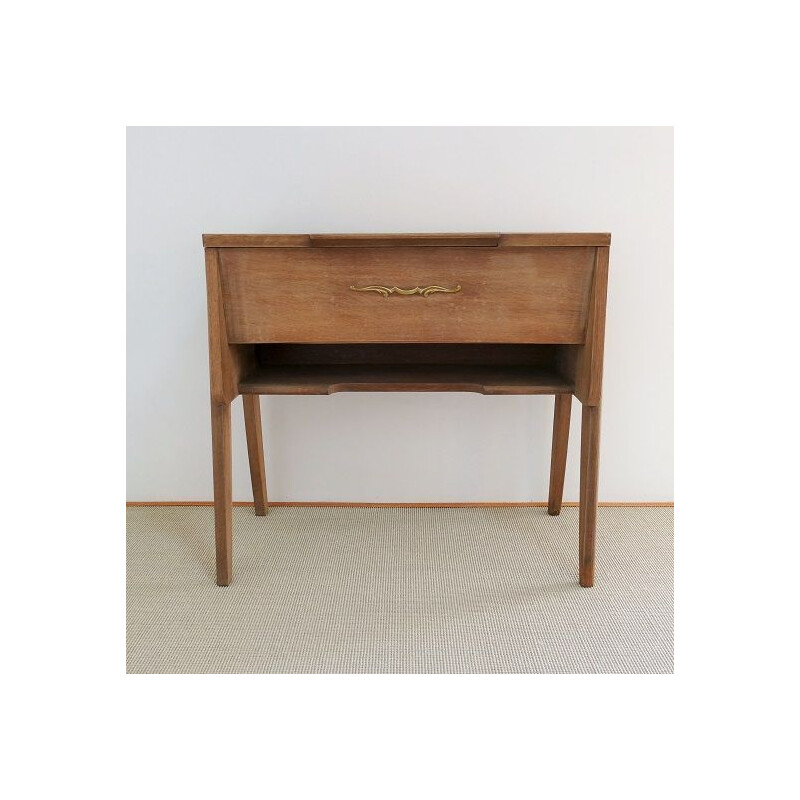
(490, 313)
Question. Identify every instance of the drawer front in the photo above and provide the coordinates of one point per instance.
(536, 295)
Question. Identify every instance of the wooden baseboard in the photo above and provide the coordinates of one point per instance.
(325, 504)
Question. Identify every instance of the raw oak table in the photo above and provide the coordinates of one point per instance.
(515, 313)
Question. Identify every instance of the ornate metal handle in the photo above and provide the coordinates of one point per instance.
(386, 291)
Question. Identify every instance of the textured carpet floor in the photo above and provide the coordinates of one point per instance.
(410, 590)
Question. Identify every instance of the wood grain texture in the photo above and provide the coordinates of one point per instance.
(584, 363)
(331, 378)
(555, 239)
(587, 518)
(528, 318)
(227, 363)
(223, 492)
(537, 295)
(407, 239)
(558, 456)
(255, 451)
(256, 240)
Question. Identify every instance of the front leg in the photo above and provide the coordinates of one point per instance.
(223, 507)
(590, 459)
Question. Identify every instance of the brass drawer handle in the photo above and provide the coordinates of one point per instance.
(386, 291)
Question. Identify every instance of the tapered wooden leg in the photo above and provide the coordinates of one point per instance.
(558, 458)
(255, 450)
(223, 509)
(590, 452)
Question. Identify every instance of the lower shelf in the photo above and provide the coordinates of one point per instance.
(330, 378)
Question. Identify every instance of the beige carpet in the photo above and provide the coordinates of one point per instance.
(410, 590)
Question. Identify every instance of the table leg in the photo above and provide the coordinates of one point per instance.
(255, 450)
(223, 509)
(590, 451)
(558, 458)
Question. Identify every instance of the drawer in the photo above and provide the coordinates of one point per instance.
(406, 294)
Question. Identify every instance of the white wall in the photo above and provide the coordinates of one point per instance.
(183, 182)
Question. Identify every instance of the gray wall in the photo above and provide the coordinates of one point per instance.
(183, 182)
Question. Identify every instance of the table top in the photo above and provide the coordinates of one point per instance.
(407, 240)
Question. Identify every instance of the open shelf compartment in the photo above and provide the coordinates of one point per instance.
(307, 369)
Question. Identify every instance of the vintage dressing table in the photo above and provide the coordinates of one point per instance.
(516, 313)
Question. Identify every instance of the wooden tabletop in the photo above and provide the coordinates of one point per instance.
(407, 240)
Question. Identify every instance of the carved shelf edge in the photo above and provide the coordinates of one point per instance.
(331, 378)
